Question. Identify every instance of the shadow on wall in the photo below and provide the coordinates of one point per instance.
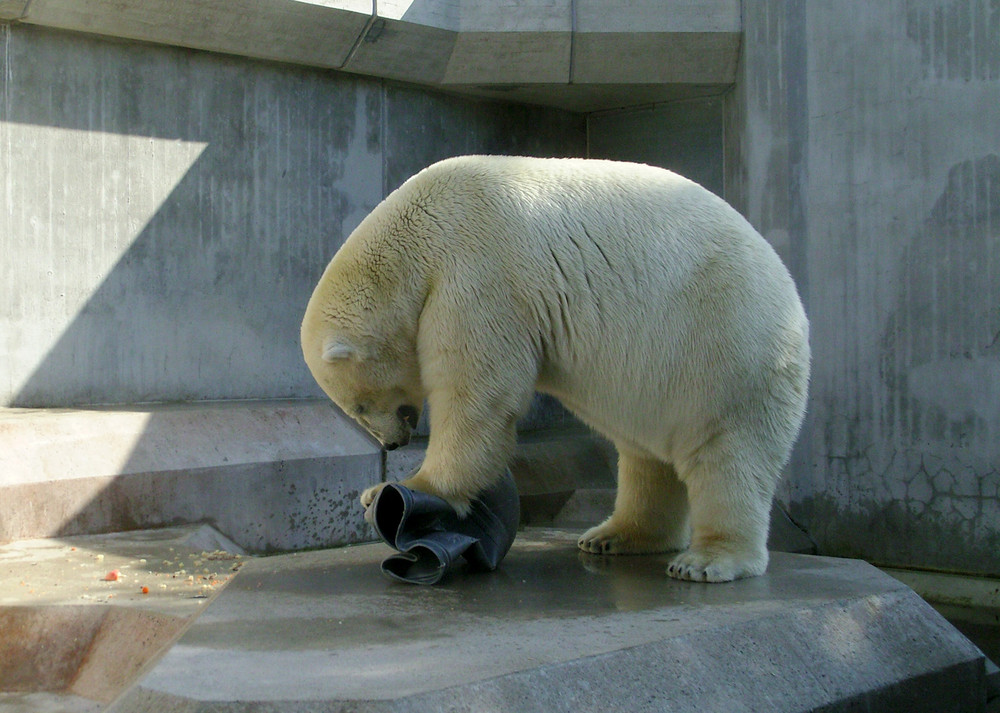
(171, 213)
(273, 167)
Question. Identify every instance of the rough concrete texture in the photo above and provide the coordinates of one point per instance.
(272, 475)
(557, 630)
(862, 142)
(585, 46)
(72, 638)
(971, 603)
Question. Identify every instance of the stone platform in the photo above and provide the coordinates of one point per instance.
(557, 630)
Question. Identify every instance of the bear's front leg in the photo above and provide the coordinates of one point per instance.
(467, 452)
(478, 371)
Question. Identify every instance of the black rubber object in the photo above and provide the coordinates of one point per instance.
(431, 538)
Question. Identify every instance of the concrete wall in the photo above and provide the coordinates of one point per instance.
(683, 135)
(864, 141)
(168, 212)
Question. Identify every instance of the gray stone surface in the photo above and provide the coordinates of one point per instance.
(71, 639)
(556, 630)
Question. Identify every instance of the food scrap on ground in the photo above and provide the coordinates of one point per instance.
(104, 569)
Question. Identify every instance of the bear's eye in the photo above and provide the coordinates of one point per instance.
(360, 409)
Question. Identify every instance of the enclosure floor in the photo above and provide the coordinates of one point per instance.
(554, 629)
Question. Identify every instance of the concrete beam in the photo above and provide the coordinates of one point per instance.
(622, 41)
(310, 33)
(11, 10)
(656, 57)
(468, 46)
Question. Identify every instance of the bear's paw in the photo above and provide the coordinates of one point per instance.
(716, 566)
(610, 538)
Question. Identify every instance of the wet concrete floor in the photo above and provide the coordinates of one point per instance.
(555, 629)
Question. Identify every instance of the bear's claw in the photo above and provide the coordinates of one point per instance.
(368, 495)
(600, 541)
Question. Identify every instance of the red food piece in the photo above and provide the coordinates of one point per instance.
(112, 576)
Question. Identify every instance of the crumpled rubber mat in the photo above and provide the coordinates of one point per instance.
(431, 538)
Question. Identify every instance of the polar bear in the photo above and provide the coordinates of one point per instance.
(646, 304)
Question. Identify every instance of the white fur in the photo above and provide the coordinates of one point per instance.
(643, 302)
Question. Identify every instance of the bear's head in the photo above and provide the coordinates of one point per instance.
(377, 386)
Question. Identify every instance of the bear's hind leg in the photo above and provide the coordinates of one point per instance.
(730, 498)
(651, 511)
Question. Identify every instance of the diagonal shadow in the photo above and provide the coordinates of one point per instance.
(188, 203)
(202, 301)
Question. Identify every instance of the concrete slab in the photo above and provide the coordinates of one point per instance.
(655, 57)
(509, 58)
(584, 55)
(12, 9)
(404, 51)
(176, 564)
(971, 603)
(557, 630)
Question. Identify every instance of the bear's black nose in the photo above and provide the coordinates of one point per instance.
(408, 415)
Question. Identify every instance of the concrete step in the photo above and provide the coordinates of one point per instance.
(558, 630)
(271, 475)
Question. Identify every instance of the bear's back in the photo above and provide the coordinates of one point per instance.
(615, 260)
(632, 231)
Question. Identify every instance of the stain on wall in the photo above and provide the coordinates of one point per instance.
(870, 152)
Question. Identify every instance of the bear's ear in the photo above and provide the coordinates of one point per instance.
(335, 348)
